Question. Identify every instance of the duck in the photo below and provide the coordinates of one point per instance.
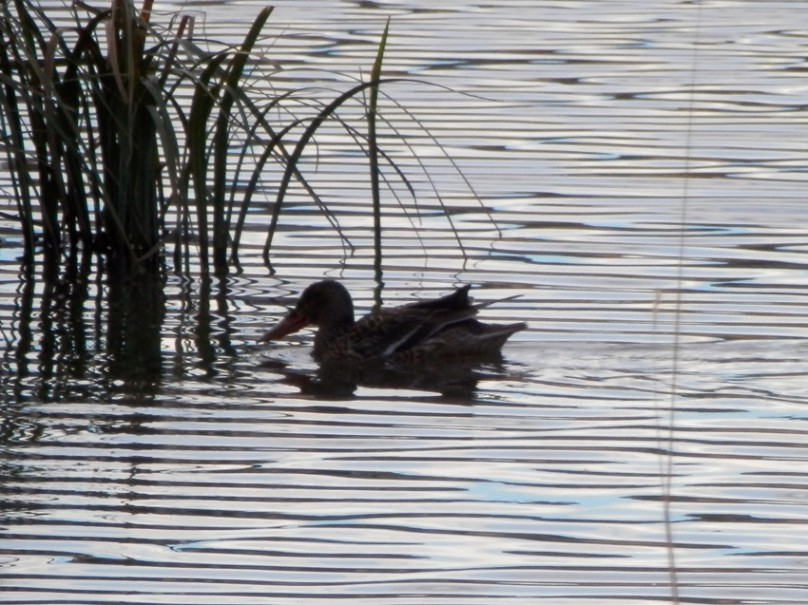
(422, 331)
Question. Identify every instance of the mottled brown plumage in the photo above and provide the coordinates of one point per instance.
(415, 332)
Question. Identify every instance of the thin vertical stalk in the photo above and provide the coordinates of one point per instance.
(14, 143)
(373, 154)
(229, 87)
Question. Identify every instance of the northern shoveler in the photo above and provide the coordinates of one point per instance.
(414, 332)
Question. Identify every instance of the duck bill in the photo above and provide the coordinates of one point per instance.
(289, 324)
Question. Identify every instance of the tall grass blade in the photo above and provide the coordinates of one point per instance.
(13, 140)
(230, 85)
(202, 103)
(297, 153)
(373, 153)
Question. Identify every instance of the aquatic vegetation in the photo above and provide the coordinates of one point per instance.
(130, 140)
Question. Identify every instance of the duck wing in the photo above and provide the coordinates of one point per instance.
(443, 325)
(385, 333)
(389, 331)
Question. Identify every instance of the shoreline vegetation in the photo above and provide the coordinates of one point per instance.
(134, 141)
(134, 148)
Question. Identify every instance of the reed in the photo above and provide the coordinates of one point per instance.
(126, 139)
(101, 143)
(79, 133)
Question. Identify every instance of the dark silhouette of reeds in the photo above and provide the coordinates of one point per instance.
(127, 142)
(115, 127)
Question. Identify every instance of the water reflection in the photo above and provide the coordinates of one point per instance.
(220, 474)
(210, 328)
(453, 380)
(84, 336)
(80, 333)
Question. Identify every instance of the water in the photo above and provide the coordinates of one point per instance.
(233, 473)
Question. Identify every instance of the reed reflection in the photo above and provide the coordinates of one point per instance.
(76, 333)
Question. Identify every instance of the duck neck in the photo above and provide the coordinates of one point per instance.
(330, 334)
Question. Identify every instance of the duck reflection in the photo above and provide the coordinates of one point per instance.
(453, 380)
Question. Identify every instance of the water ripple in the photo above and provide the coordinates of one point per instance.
(231, 473)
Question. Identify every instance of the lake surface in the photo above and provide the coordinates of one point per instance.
(642, 171)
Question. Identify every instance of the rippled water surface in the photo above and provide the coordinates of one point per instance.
(642, 170)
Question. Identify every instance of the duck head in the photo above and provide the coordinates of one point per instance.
(325, 304)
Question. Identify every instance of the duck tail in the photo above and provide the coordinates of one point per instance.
(456, 301)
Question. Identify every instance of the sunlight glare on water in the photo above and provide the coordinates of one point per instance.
(239, 473)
